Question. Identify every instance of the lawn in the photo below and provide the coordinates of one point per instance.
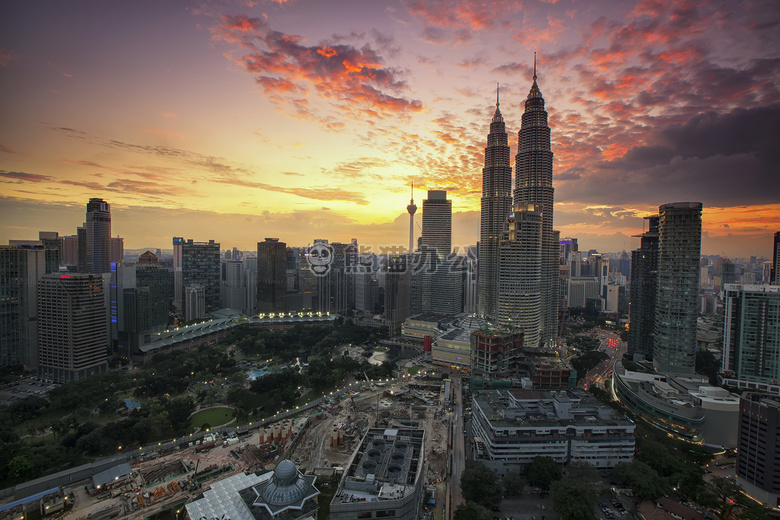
(213, 416)
(414, 370)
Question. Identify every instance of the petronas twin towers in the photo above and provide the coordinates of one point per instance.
(518, 249)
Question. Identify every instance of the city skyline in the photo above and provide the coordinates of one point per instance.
(234, 121)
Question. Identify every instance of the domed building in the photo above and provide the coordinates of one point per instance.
(282, 494)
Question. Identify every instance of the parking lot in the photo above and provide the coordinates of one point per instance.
(24, 388)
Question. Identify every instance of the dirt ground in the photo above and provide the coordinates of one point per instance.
(161, 482)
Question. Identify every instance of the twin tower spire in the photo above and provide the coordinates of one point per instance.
(507, 293)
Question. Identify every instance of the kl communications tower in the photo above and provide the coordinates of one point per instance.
(412, 209)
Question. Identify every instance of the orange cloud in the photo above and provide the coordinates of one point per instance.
(328, 52)
(283, 65)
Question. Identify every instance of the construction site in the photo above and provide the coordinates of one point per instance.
(320, 440)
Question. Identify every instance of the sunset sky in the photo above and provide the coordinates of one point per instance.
(304, 119)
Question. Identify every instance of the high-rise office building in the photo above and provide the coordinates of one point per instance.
(196, 264)
(533, 185)
(758, 456)
(194, 302)
(81, 239)
(496, 204)
(366, 292)
(52, 244)
(21, 267)
(568, 245)
(447, 286)
(117, 249)
(271, 276)
(776, 260)
(676, 310)
(70, 251)
(159, 281)
(233, 284)
(520, 272)
(437, 223)
(397, 282)
(72, 326)
(141, 295)
(751, 333)
(643, 294)
(98, 237)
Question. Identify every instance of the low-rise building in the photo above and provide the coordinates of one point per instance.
(512, 427)
(282, 494)
(384, 477)
(685, 407)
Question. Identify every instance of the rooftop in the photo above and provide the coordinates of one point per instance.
(524, 408)
(385, 466)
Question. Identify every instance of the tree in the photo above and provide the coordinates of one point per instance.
(585, 362)
(471, 511)
(19, 466)
(573, 500)
(542, 472)
(753, 511)
(513, 484)
(722, 495)
(479, 484)
(581, 471)
(707, 364)
(641, 478)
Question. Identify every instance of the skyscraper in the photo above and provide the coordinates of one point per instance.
(751, 333)
(643, 293)
(533, 185)
(117, 249)
(98, 237)
(676, 310)
(20, 269)
(412, 209)
(776, 260)
(496, 205)
(397, 282)
(196, 264)
(520, 273)
(758, 456)
(72, 326)
(271, 276)
(437, 223)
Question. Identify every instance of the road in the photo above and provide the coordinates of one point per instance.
(457, 450)
(601, 374)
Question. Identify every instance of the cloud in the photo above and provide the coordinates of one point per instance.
(438, 36)
(694, 160)
(5, 149)
(83, 184)
(20, 177)
(339, 76)
(307, 193)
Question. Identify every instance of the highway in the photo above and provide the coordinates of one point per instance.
(601, 374)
